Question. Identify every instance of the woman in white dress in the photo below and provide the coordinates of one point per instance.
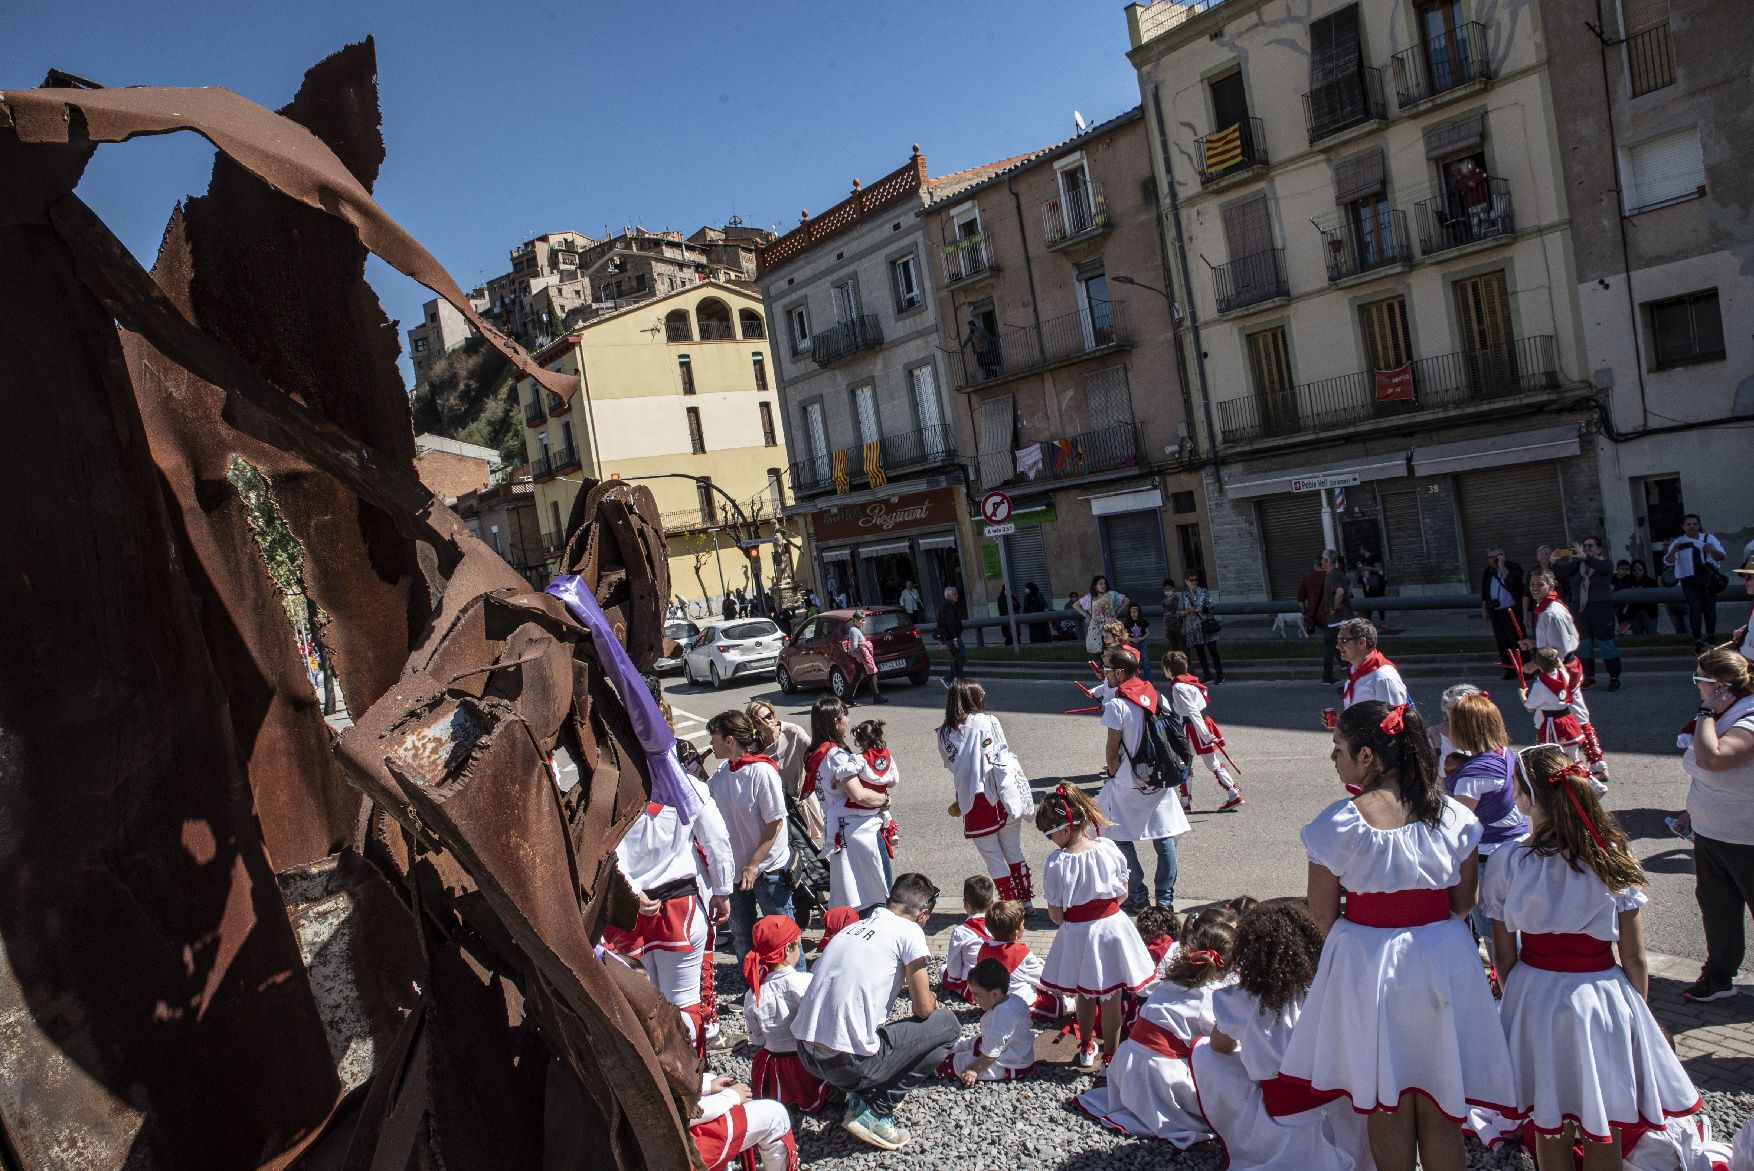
(1097, 954)
(852, 810)
(1150, 1089)
(972, 746)
(1400, 1018)
(1590, 1060)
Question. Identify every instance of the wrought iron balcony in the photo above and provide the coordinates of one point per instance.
(556, 405)
(689, 520)
(1441, 63)
(1525, 366)
(552, 463)
(678, 330)
(533, 410)
(846, 339)
(1353, 245)
(717, 331)
(1250, 280)
(966, 259)
(552, 543)
(909, 451)
(1066, 338)
(1480, 211)
(1231, 151)
(1082, 211)
(1106, 449)
(1652, 63)
(1344, 103)
(753, 330)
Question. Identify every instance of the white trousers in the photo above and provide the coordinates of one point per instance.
(768, 1126)
(677, 973)
(1000, 850)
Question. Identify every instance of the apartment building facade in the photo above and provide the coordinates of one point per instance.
(670, 400)
(1055, 318)
(1657, 112)
(441, 330)
(1377, 281)
(876, 472)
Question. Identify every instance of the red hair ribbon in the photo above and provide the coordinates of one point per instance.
(1575, 769)
(1395, 721)
(1204, 958)
(1485, 695)
(1066, 806)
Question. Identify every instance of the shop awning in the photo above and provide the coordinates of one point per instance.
(885, 547)
(1496, 451)
(947, 541)
(1133, 500)
(1278, 482)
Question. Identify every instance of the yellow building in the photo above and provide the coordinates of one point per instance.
(673, 391)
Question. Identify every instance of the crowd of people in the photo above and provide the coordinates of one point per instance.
(1468, 955)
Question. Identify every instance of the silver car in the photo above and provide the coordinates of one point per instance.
(724, 650)
(683, 633)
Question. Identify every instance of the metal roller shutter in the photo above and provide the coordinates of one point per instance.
(1517, 507)
(1027, 559)
(1291, 533)
(1136, 564)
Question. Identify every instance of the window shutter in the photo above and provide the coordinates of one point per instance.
(1333, 47)
(1457, 136)
(997, 440)
(1358, 176)
(1644, 14)
(1664, 169)
(1247, 230)
(1106, 398)
(865, 402)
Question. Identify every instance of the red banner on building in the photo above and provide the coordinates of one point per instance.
(1396, 384)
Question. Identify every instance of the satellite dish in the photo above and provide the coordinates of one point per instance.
(1079, 119)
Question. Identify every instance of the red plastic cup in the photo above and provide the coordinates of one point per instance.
(1329, 717)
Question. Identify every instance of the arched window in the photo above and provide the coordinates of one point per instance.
(751, 324)
(714, 317)
(676, 327)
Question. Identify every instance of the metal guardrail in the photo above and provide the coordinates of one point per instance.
(1083, 210)
(1652, 63)
(1344, 103)
(1219, 158)
(716, 331)
(1249, 280)
(1352, 246)
(846, 338)
(908, 450)
(1021, 350)
(1447, 222)
(967, 259)
(1440, 63)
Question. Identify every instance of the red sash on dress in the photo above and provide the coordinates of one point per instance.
(1397, 908)
(1371, 662)
(1093, 910)
(1558, 951)
(978, 925)
(1284, 1096)
(1159, 1039)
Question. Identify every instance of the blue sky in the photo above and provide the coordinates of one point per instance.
(502, 121)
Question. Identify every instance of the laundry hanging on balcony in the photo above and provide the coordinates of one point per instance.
(1395, 385)
(1029, 461)
(1068, 455)
(1224, 149)
(841, 483)
(874, 464)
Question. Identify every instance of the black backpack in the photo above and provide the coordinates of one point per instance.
(1163, 748)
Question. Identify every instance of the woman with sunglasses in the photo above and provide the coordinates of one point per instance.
(1720, 760)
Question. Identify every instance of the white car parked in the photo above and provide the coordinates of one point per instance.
(724, 650)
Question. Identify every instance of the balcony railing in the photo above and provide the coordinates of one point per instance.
(533, 410)
(846, 339)
(1444, 62)
(1525, 366)
(1060, 339)
(1250, 280)
(1651, 61)
(688, 520)
(1231, 151)
(552, 463)
(678, 331)
(717, 331)
(553, 543)
(1107, 449)
(1353, 245)
(1344, 103)
(967, 259)
(1081, 211)
(1480, 211)
(753, 329)
(556, 404)
(928, 447)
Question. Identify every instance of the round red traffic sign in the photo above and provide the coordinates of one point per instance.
(996, 508)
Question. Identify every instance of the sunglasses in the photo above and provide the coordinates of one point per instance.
(1706, 679)
(1350, 638)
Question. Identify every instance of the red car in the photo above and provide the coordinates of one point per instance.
(819, 655)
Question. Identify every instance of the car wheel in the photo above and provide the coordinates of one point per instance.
(783, 677)
(837, 683)
(687, 673)
(920, 678)
(717, 682)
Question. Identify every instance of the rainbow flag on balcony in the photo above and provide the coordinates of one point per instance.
(1068, 454)
(1224, 149)
(841, 483)
(874, 464)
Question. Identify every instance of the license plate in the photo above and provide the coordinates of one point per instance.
(892, 665)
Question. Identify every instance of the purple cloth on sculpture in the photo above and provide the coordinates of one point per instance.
(655, 737)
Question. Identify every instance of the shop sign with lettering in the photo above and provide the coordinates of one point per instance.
(874, 518)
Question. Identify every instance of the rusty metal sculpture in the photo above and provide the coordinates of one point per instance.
(229, 942)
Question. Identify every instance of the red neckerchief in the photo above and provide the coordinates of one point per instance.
(1140, 692)
(1552, 599)
(1009, 954)
(879, 760)
(813, 765)
(653, 808)
(1371, 662)
(754, 758)
(978, 925)
(1193, 681)
(1559, 685)
(1159, 947)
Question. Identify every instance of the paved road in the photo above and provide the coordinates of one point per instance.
(1276, 738)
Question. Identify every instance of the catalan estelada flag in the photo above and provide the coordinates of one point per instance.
(874, 463)
(1224, 149)
(840, 471)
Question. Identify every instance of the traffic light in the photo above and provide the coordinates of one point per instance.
(754, 553)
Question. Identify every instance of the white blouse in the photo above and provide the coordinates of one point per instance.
(1541, 893)
(1414, 856)
(1097, 873)
(1261, 1036)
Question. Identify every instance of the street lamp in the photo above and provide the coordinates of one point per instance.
(752, 529)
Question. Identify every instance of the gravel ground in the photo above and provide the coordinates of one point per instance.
(1030, 1125)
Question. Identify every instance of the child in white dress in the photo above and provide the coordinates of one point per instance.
(1150, 1088)
(1188, 697)
(1266, 1122)
(972, 746)
(1561, 715)
(1097, 954)
(885, 773)
(978, 896)
(1589, 1058)
(1004, 1049)
(770, 970)
(1400, 1018)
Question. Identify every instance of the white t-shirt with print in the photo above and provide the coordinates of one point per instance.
(855, 982)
